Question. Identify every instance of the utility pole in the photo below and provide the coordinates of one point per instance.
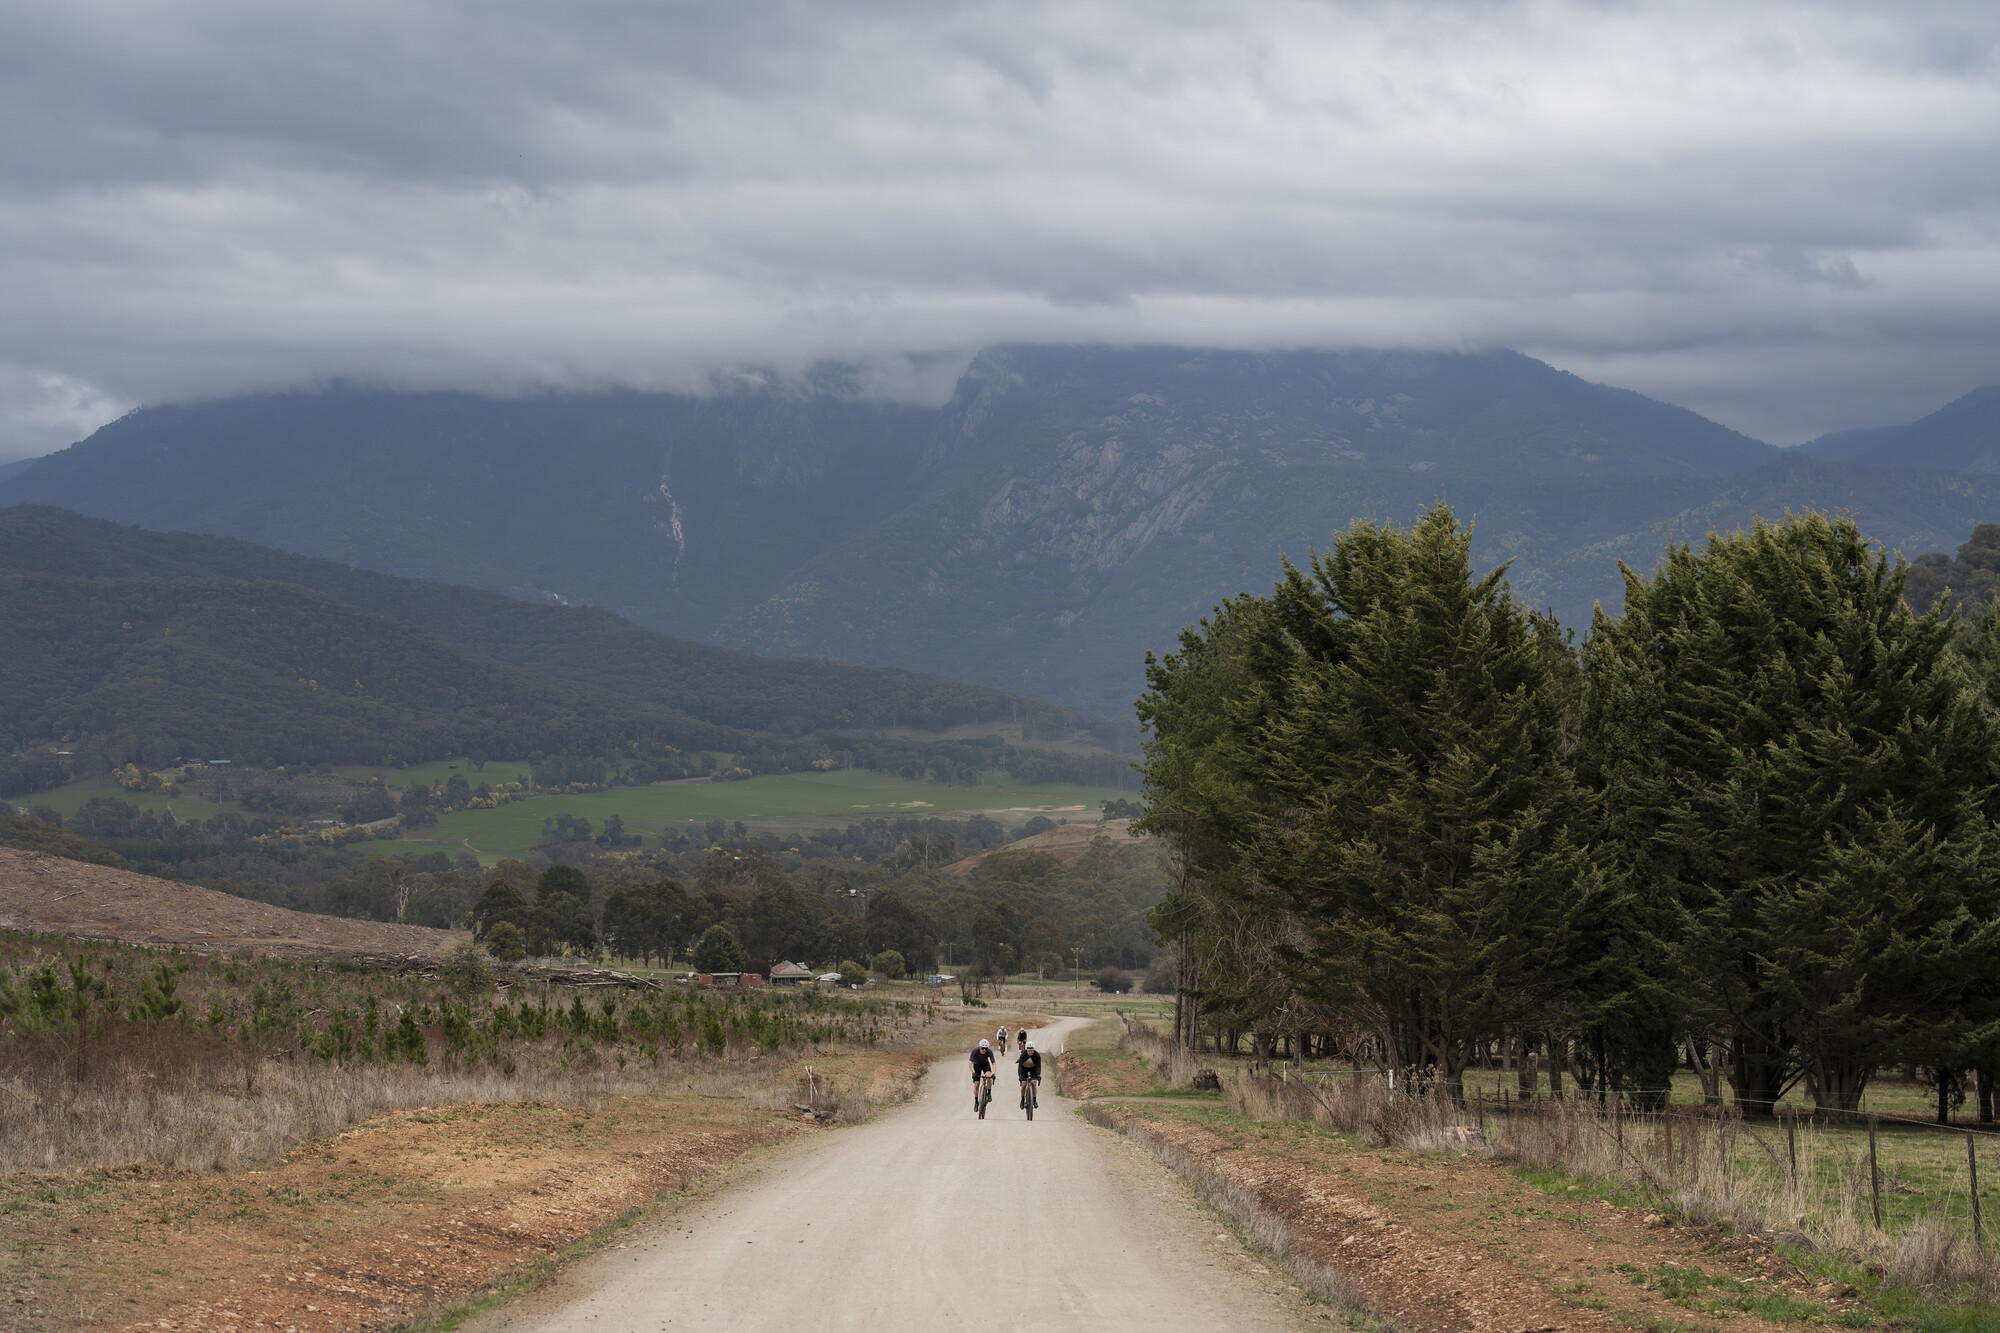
(1076, 952)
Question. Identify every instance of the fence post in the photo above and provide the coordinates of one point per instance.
(1874, 1173)
(1792, 1148)
(1972, 1164)
(1667, 1119)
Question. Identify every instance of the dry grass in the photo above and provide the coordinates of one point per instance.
(1173, 1066)
(112, 1056)
(135, 1117)
(1261, 1227)
(1702, 1169)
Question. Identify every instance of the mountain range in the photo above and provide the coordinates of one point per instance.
(1068, 509)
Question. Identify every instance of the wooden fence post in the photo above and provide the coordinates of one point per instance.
(1874, 1173)
(1972, 1164)
(1667, 1119)
(1792, 1147)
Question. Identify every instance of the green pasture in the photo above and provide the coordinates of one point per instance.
(1884, 1097)
(831, 799)
(67, 800)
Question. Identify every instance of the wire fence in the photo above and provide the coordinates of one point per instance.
(1911, 1198)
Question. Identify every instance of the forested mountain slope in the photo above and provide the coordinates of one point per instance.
(583, 644)
(273, 673)
(1961, 436)
(1068, 509)
(670, 509)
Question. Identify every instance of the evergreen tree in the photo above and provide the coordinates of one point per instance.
(718, 951)
(1797, 786)
(1426, 826)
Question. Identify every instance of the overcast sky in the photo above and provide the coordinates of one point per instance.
(1786, 216)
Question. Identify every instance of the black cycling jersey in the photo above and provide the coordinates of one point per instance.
(982, 1062)
(1029, 1065)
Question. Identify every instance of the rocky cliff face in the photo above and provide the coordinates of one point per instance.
(1078, 505)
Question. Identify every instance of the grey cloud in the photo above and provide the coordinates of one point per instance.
(1779, 213)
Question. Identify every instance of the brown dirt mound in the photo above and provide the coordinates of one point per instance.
(49, 894)
(1066, 843)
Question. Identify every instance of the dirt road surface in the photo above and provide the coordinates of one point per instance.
(929, 1218)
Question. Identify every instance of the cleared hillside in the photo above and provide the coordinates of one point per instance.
(1066, 842)
(49, 893)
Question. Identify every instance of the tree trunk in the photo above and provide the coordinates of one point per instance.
(1839, 1085)
(1527, 1082)
(1944, 1082)
(1558, 1049)
(1985, 1076)
(1757, 1060)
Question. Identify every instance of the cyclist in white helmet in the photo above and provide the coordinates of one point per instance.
(982, 1064)
(1000, 1039)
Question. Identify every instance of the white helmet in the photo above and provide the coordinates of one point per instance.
(984, 1042)
(1030, 1046)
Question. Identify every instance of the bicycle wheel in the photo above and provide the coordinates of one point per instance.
(1031, 1101)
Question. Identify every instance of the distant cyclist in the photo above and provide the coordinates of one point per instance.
(1000, 1039)
(1024, 1037)
(982, 1068)
(1028, 1068)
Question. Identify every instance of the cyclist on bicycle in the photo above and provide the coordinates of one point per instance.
(982, 1067)
(1001, 1039)
(1028, 1068)
(1024, 1037)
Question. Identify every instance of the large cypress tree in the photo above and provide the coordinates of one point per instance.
(1425, 825)
(1796, 780)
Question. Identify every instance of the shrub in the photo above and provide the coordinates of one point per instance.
(506, 942)
(890, 964)
(463, 969)
(1114, 981)
(852, 973)
(1160, 977)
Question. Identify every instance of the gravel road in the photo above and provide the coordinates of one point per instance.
(929, 1218)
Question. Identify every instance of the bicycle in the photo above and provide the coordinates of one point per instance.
(1028, 1097)
(984, 1095)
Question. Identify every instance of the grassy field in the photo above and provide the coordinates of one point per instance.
(66, 800)
(795, 799)
(1900, 1099)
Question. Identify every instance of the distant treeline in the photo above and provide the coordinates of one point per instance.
(821, 896)
(1753, 822)
(1969, 575)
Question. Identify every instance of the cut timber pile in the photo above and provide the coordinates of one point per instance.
(1066, 842)
(52, 895)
